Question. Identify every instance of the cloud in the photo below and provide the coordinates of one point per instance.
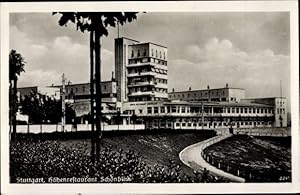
(44, 78)
(52, 58)
(218, 62)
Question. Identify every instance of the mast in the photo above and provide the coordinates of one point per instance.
(63, 105)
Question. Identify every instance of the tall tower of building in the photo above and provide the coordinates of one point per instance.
(141, 71)
(147, 72)
(121, 61)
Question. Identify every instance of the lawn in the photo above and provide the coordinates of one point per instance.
(259, 159)
(142, 157)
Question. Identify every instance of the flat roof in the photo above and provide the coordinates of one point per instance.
(263, 98)
(234, 104)
(27, 87)
(127, 39)
(196, 90)
(144, 43)
(80, 83)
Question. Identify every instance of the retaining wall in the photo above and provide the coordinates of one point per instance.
(49, 128)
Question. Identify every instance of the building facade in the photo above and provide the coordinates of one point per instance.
(53, 92)
(81, 91)
(206, 115)
(226, 94)
(141, 71)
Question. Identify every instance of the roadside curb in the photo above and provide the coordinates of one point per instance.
(193, 152)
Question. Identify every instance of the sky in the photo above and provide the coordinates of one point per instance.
(249, 50)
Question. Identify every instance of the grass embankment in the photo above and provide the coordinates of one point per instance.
(267, 159)
(155, 148)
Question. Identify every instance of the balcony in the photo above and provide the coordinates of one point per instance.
(145, 83)
(142, 93)
(139, 64)
(141, 74)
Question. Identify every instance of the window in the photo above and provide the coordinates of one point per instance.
(228, 110)
(254, 110)
(177, 124)
(144, 54)
(164, 55)
(173, 109)
(162, 109)
(183, 124)
(138, 54)
(246, 109)
(237, 110)
(141, 111)
(155, 53)
(132, 53)
(183, 109)
(250, 110)
(149, 111)
(232, 110)
(155, 110)
(242, 110)
(159, 54)
(168, 109)
(152, 53)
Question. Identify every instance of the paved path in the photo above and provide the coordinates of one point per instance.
(191, 156)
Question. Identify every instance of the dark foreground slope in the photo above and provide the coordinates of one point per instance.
(48, 155)
(258, 159)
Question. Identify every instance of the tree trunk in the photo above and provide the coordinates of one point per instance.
(14, 110)
(98, 91)
(92, 95)
(10, 107)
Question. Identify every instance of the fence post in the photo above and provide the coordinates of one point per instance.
(28, 126)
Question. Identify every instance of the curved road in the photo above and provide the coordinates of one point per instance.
(191, 156)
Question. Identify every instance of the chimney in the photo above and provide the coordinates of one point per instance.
(208, 87)
(190, 88)
(226, 85)
(173, 90)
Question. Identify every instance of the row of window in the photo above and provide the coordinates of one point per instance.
(249, 110)
(160, 54)
(196, 94)
(280, 111)
(167, 123)
(82, 89)
(146, 70)
(145, 60)
(184, 109)
(147, 98)
(224, 124)
(148, 88)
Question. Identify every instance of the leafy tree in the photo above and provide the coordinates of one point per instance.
(16, 66)
(43, 109)
(97, 24)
